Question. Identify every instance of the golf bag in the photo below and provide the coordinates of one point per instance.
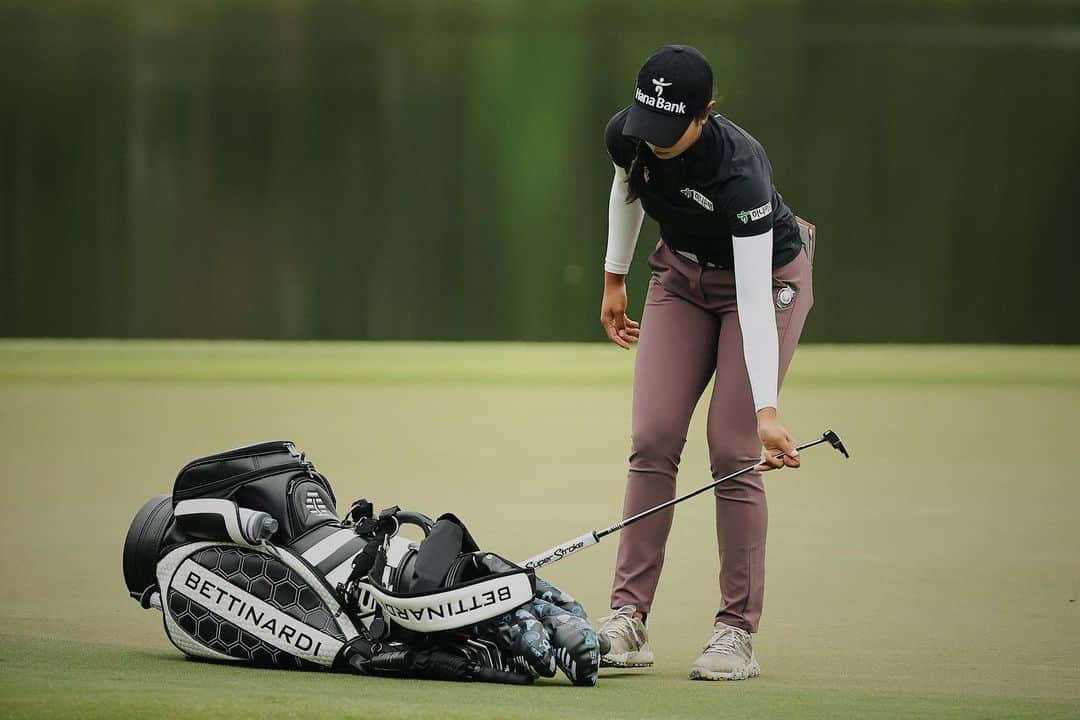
(249, 562)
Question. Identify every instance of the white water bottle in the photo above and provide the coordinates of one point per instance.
(224, 520)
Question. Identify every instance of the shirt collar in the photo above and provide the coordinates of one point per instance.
(706, 146)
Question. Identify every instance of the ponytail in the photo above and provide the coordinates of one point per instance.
(635, 177)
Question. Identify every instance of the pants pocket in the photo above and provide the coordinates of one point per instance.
(792, 289)
(808, 235)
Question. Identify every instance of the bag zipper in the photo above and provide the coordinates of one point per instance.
(243, 478)
(271, 447)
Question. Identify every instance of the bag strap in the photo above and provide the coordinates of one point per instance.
(444, 542)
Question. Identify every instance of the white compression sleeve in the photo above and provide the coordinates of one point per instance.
(624, 224)
(753, 293)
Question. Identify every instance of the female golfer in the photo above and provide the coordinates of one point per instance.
(729, 293)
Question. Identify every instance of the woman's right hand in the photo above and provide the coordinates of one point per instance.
(620, 329)
(775, 439)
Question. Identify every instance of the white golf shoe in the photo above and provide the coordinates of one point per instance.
(727, 656)
(629, 640)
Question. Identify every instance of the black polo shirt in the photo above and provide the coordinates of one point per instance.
(721, 186)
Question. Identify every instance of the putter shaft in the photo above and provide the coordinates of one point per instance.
(581, 542)
(646, 513)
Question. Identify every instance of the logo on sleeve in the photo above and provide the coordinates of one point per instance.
(756, 214)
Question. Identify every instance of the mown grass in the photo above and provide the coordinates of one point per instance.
(932, 575)
(64, 679)
(500, 363)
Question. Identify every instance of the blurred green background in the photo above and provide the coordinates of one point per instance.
(412, 170)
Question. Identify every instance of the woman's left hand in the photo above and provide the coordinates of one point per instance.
(775, 439)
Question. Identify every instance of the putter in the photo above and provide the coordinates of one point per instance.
(570, 547)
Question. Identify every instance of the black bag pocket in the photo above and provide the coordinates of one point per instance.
(218, 475)
(310, 504)
(273, 477)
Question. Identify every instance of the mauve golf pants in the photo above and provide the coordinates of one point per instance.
(689, 331)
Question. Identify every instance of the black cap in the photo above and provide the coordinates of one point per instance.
(673, 87)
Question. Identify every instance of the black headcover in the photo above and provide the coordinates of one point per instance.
(446, 546)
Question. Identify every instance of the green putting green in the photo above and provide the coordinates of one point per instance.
(932, 575)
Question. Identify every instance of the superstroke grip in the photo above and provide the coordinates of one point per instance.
(560, 551)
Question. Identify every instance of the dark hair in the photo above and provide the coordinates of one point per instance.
(635, 176)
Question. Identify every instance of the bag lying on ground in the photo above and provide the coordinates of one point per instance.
(249, 562)
(446, 583)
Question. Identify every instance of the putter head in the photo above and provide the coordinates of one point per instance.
(836, 442)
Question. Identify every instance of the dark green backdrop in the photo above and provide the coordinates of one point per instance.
(436, 170)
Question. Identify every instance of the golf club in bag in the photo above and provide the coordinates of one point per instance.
(564, 549)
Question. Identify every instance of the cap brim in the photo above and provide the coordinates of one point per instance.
(657, 128)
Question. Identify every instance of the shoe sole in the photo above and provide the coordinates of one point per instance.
(751, 670)
(614, 664)
(628, 660)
